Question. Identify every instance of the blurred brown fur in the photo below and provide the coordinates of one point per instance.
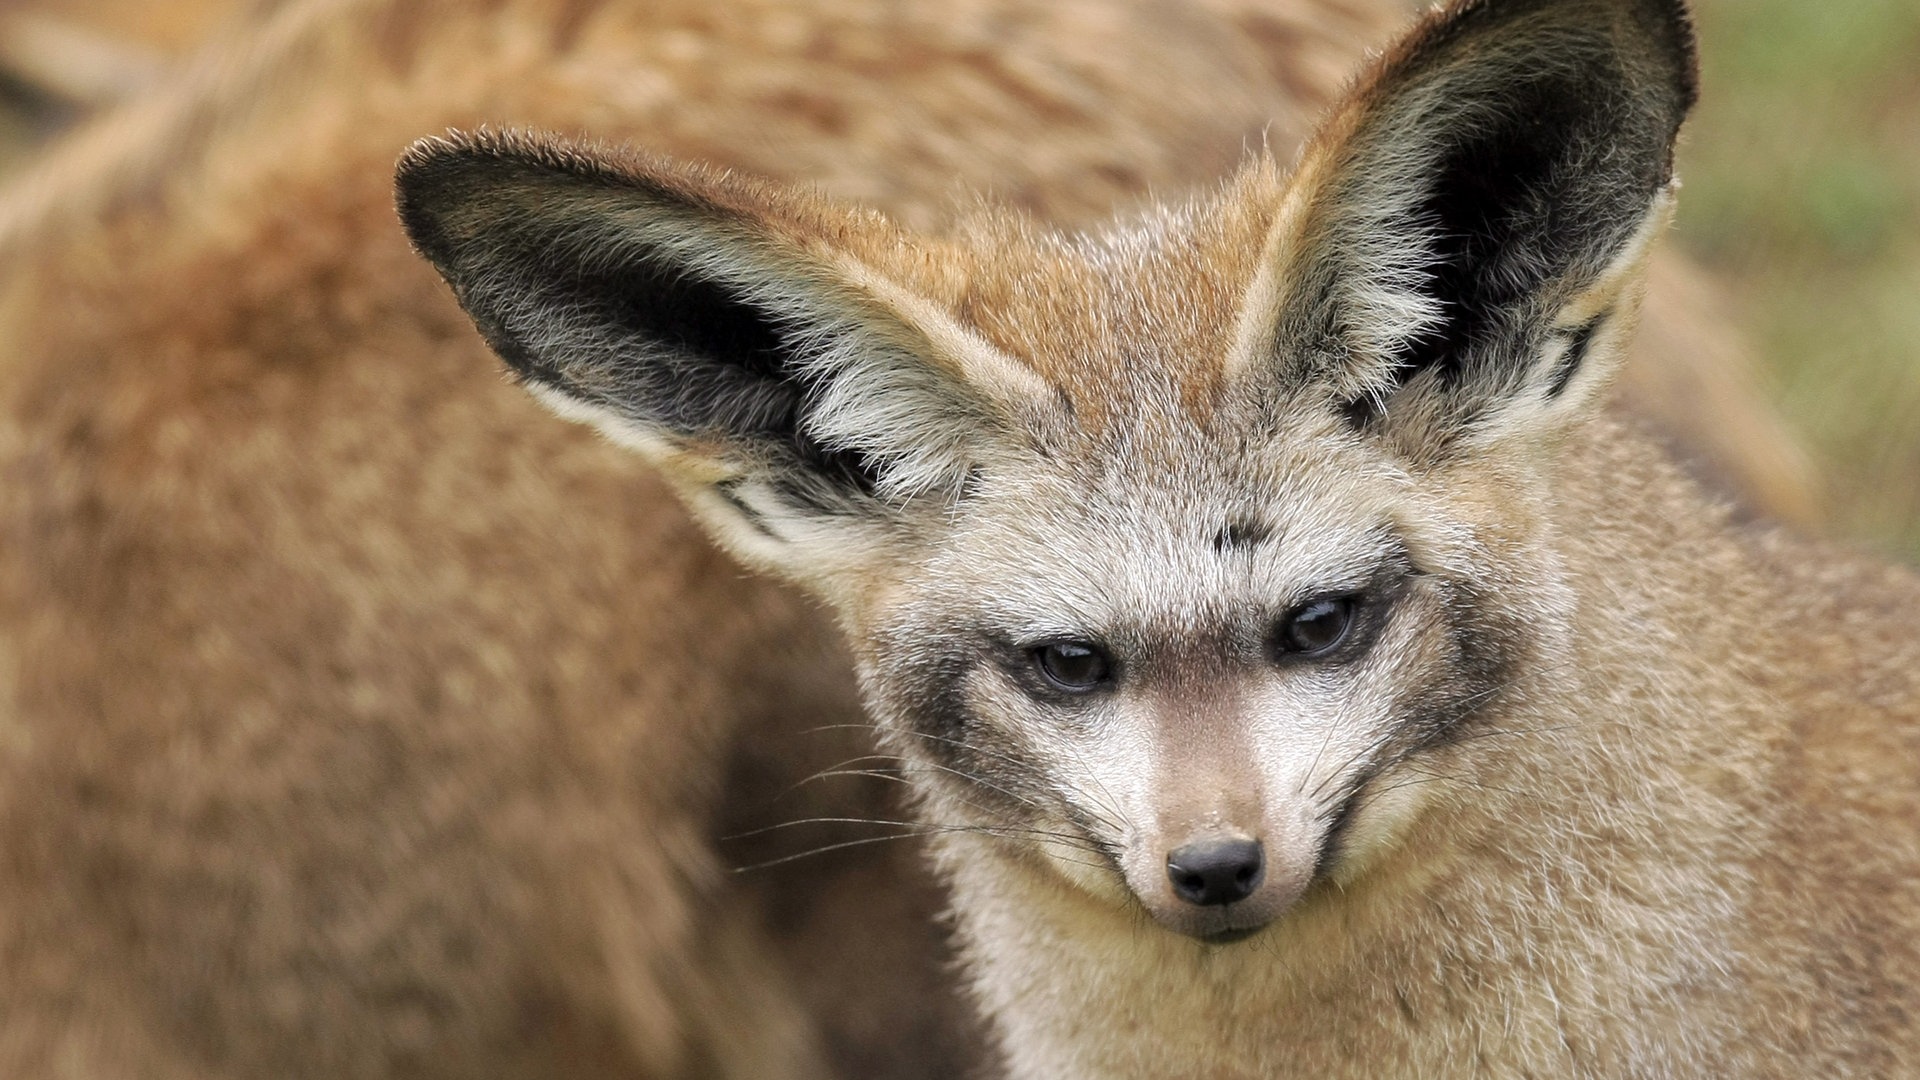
(175, 28)
(88, 54)
(358, 720)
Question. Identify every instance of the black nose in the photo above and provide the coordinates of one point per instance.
(1215, 872)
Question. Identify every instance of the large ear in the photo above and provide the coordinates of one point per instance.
(1461, 253)
(801, 399)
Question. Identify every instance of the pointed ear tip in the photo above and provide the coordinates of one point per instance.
(434, 152)
(425, 187)
(440, 173)
(1688, 42)
(429, 167)
(440, 156)
(415, 178)
(1670, 24)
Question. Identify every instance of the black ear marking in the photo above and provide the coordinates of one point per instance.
(1496, 165)
(1536, 193)
(728, 493)
(1362, 411)
(830, 472)
(701, 315)
(1579, 340)
(1501, 214)
(719, 362)
(542, 245)
(1241, 534)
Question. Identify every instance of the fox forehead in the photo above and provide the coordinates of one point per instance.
(1130, 324)
(1219, 541)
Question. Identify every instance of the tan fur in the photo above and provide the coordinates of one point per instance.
(358, 720)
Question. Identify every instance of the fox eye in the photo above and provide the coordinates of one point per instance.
(1073, 666)
(1317, 627)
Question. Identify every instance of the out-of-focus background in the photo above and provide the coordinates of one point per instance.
(1802, 173)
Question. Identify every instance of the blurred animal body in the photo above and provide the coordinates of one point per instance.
(356, 720)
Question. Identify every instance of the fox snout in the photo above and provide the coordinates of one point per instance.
(1218, 864)
(1219, 885)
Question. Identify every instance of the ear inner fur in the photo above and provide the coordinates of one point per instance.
(685, 311)
(1487, 171)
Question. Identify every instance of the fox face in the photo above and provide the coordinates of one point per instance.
(1176, 558)
(1201, 690)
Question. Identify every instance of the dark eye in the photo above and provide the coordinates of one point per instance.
(1073, 666)
(1317, 627)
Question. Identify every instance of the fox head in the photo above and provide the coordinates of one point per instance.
(1171, 555)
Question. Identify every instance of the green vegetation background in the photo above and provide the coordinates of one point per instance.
(1802, 173)
(1802, 191)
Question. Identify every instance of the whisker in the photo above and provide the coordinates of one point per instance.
(1488, 733)
(1459, 710)
(1008, 829)
(1006, 757)
(878, 730)
(833, 770)
(981, 781)
(1325, 740)
(877, 774)
(922, 829)
(1365, 752)
(896, 778)
(869, 728)
(765, 829)
(1426, 777)
(822, 850)
(840, 769)
(1369, 794)
(1107, 811)
(1111, 813)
